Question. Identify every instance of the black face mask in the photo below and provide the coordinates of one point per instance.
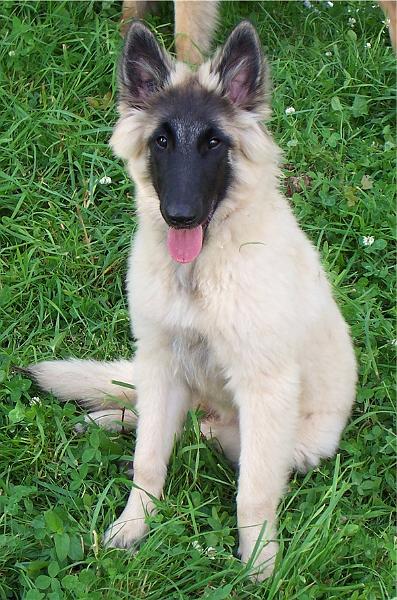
(189, 162)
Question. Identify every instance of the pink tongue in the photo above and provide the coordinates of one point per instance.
(184, 245)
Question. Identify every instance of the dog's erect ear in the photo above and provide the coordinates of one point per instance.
(144, 68)
(242, 67)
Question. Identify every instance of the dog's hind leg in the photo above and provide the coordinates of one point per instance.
(390, 9)
(327, 396)
(195, 22)
(225, 435)
(318, 437)
(134, 9)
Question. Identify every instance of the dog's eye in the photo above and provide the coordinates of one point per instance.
(162, 141)
(213, 143)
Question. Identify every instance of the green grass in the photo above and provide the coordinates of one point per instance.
(63, 245)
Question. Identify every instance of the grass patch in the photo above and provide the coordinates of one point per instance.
(64, 240)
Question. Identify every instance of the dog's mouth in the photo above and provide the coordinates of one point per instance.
(185, 244)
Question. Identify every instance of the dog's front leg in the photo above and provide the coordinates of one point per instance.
(162, 405)
(268, 416)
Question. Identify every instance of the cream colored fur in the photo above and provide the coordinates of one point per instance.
(195, 22)
(249, 331)
(88, 381)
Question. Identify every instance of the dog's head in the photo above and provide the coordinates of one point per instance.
(176, 126)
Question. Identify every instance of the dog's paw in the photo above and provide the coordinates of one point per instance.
(261, 560)
(126, 532)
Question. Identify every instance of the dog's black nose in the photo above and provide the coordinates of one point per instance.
(180, 219)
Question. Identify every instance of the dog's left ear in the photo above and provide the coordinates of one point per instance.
(242, 68)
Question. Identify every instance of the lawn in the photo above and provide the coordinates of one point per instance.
(64, 237)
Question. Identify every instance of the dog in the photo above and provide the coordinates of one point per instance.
(229, 303)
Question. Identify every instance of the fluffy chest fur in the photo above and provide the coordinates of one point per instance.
(175, 302)
(195, 360)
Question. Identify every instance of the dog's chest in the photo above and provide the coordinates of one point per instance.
(182, 308)
(196, 361)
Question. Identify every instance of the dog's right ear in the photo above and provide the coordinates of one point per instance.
(145, 67)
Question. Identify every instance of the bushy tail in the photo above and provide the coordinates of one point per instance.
(105, 389)
(91, 383)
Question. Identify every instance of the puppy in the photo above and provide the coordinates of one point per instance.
(229, 302)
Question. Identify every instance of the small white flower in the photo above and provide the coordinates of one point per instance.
(210, 552)
(368, 44)
(352, 21)
(386, 22)
(368, 240)
(330, 4)
(34, 400)
(105, 180)
(329, 53)
(197, 546)
(290, 110)
(11, 53)
(307, 4)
